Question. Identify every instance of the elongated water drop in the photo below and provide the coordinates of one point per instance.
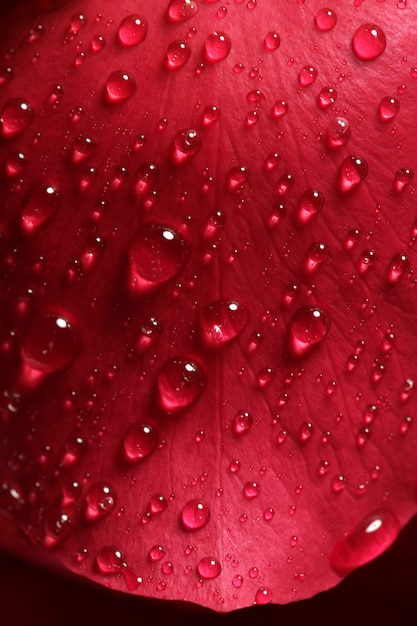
(132, 31)
(365, 542)
(15, 117)
(352, 171)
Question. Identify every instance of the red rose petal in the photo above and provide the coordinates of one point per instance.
(172, 195)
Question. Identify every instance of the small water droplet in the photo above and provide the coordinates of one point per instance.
(279, 109)
(97, 43)
(272, 41)
(326, 97)
(263, 596)
(221, 322)
(217, 47)
(325, 19)
(157, 253)
(178, 54)
(251, 490)
(306, 431)
(210, 115)
(180, 382)
(50, 343)
(156, 553)
(352, 172)
(38, 206)
(338, 133)
(388, 108)
(308, 327)
(236, 177)
(132, 30)
(100, 501)
(397, 268)
(369, 42)
(139, 441)
(181, 10)
(317, 254)
(195, 515)
(338, 483)
(310, 203)
(369, 414)
(82, 148)
(209, 568)
(58, 527)
(307, 76)
(234, 466)
(403, 178)
(365, 542)
(120, 86)
(242, 422)
(15, 117)
(185, 145)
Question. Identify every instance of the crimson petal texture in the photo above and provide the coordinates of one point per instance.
(207, 282)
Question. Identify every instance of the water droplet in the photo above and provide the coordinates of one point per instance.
(352, 172)
(182, 10)
(78, 21)
(185, 145)
(111, 561)
(369, 414)
(307, 76)
(365, 542)
(132, 30)
(38, 206)
(221, 322)
(242, 422)
(366, 261)
(82, 149)
(237, 581)
(323, 467)
(338, 483)
(50, 343)
(263, 596)
(97, 43)
(317, 254)
(388, 109)
(75, 447)
(209, 568)
(156, 553)
(58, 527)
(310, 203)
(272, 41)
(369, 42)
(327, 97)
(338, 133)
(306, 431)
(234, 466)
(236, 177)
(6, 74)
(325, 19)
(178, 54)
(285, 183)
(180, 382)
(15, 117)
(195, 515)
(251, 490)
(279, 109)
(210, 115)
(397, 268)
(403, 178)
(139, 441)
(100, 501)
(120, 86)
(308, 327)
(157, 253)
(217, 47)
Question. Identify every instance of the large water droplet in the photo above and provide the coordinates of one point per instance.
(182, 10)
(185, 145)
(99, 502)
(263, 596)
(308, 327)
(325, 19)
(139, 442)
(351, 173)
(310, 203)
(369, 42)
(180, 382)
(388, 109)
(338, 132)
(119, 87)
(177, 55)
(157, 253)
(221, 322)
(365, 542)
(50, 342)
(15, 117)
(195, 515)
(217, 47)
(132, 30)
(209, 568)
(38, 206)
(272, 41)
